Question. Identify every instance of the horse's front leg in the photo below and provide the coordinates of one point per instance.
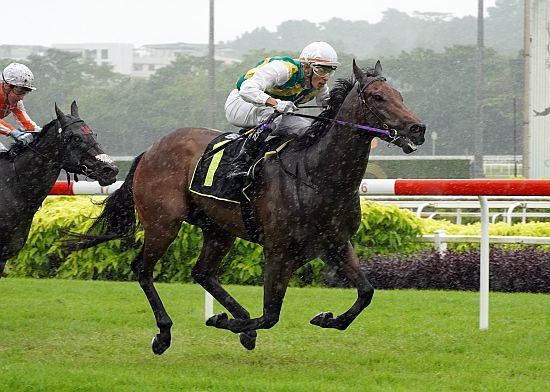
(276, 277)
(346, 261)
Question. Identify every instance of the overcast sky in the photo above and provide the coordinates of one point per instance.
(41, 22)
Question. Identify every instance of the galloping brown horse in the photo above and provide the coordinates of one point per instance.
(311, 214)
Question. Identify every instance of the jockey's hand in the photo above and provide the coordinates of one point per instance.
(37, 129)
(285, 106)
(20, 136)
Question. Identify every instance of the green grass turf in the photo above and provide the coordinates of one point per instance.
(62, 335)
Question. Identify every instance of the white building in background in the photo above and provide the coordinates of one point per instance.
(21, 52)
(119, 55)
(150, 58)
(139, 62)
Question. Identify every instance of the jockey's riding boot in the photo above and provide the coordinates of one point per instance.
(249, 152)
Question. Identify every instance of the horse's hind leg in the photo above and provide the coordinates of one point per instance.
(277, 274)
(216, 243)
(157, 238)
(346, 261)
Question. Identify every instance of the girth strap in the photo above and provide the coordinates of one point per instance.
(250, 222)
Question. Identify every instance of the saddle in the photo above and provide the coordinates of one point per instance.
(210, 175)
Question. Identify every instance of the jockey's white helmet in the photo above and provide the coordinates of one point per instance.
(20, 75)
(319, 53)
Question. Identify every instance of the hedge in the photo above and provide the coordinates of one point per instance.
(383, 230)
(510, 270)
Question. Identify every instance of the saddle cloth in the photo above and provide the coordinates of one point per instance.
(210, 175)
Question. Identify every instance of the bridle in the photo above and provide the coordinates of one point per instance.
(391, 133)
(361, 90)
(64, 160)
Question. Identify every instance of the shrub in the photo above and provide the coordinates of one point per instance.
(382, 230)
(531, 229)
(519, 270)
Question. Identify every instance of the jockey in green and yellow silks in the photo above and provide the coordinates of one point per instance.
(279, 83)
(291, 89)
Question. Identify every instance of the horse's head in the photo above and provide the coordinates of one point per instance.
(80, 152)
(384, 105)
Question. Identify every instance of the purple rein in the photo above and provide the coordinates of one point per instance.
(387, 132)
(392, 133)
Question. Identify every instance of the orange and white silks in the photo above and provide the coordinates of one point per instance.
(10, 103)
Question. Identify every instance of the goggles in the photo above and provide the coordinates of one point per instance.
(323, 70)
(20, 90)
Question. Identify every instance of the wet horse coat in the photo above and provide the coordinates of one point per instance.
(312, 213)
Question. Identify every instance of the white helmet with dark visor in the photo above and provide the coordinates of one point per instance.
(321, 56)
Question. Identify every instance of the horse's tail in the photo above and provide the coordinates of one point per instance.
(116, 221)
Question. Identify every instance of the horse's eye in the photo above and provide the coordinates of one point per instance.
(378, 97)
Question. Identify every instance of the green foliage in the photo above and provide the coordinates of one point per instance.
(531, 229)
(41, 252)
(383, 230)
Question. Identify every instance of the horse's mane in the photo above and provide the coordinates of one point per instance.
(338, 94)
(18, 148)
(319, 128)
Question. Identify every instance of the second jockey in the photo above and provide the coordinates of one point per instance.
(16, 82)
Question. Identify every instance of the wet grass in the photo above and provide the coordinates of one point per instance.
(59, 335)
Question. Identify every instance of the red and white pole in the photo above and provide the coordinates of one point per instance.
(82, 188)
(478, 187)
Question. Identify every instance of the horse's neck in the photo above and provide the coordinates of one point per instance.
(342, 154)
(37, 168)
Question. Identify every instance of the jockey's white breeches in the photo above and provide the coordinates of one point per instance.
(244, 114)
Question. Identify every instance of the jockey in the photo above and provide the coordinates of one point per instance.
(279, 83)
(17, 81)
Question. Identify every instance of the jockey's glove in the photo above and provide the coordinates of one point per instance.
(37, 129)
(285, 106)
(20, 136)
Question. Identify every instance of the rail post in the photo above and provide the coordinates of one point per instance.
(439, 242)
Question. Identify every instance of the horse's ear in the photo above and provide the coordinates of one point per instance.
(60, 115)
(378, 69)
(74, 109)
(357, 72)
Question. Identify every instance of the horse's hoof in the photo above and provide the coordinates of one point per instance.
(157, 346)
(248, 339)
(215, 319)
(322, 319)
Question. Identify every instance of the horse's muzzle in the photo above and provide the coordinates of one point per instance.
(106, 175)
(416, 133)
(411, 137)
